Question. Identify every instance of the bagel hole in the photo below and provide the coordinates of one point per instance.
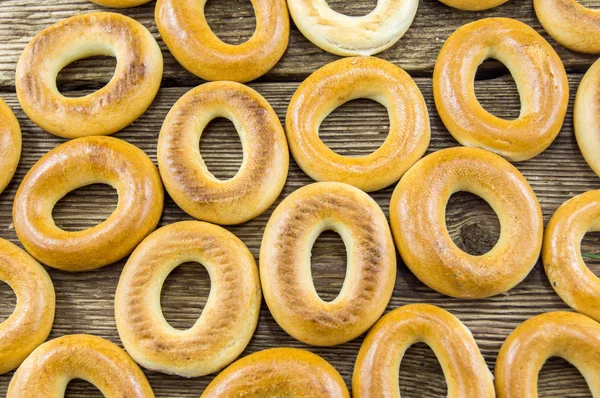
(234, 21)
(85, 207)
(353, 8)
(558, 379)
(496, 90)
(8, 300)
(184, 295)
(590, 248)
(221, 149)
(82, 388)
(356, 128)
(421, 374)
(328, 265)
(593, 4)
(76, 75)
(472, 223)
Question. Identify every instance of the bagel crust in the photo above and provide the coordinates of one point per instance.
(183, 27)
(285, 263)
(571, 336)
(568, 274)
(377, 367)
(75, 164)
(278, 372)
(345, 80)
(48, 370)
(30, 323)
(108, 110)
(264, 169)
(120, 3)
(586, 118)
(10, 144)
(537, 70)
(228, 320)
(473, 5)
(418, 220)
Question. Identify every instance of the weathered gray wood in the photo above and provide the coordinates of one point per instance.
(233, 20)
(85, 300)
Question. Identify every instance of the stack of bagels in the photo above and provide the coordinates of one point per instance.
(337, 201)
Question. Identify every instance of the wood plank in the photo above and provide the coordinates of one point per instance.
(233, 20)
(85, 300)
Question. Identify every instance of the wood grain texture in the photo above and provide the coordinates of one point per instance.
(233, 21)
(85, 300)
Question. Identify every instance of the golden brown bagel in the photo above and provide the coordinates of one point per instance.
(571, 336)
(345, 80)
(473, 5)
(120, 3)
(570, 23)
(264, 169)
(72, 165)
(48, 370)
(106, 111)
(278, 372)
(10, 144)
(228, 319)
(345, 35)
(30, 323)
(586, 120)
(376, 370)
(183, 27)
(569, 276)
(538, 72)
(285, 263)
(418, 219)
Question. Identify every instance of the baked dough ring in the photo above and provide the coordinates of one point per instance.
(30, 323)
(345, 80)
(473, 5)
(376, 370)
(120, 3)
(571, 336)
(418, 219)
(264, 169)
(75, 164)
(183, 27)
(570, 23)
(345, 35)
(10, 144)
(586, 119)
(108, 110)
(538, 72)
(278, 372)
(228, 319)
(48, 370)
(569, 276)
(285, 272)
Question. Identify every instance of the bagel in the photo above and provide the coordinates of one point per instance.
(278, 372)
(285, 272)
(473, 5)
(585, 120)
(30, 323)
(120, 3)
(48, 370)
(10, 144)
(539, 75)
(378, 362)
(418, 220)
(264, 169)
(345, 80)
(570, 23)
(569, 276)
(571, 336)
(349, 36)
(183, 27)
(72, 165)
(108, 110)
(228, 319)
